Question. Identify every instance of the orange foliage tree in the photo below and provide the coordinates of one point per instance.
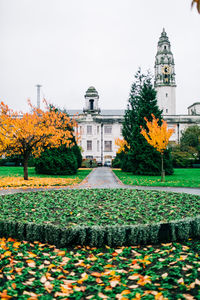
(158, 137)
(29, 133)
(197, 3)
(122, 144)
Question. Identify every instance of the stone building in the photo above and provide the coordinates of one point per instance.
(98, 128)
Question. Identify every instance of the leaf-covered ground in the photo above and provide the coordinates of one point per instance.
(12, 177)
(98, 207)
(180, 178)
(41, 271)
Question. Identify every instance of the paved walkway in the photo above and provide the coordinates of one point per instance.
(101, 178)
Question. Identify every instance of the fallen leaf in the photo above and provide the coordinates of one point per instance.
(144, 280)
(31, 263)
(164, 275)
(96, 274)
(48, 286)
(101, 295)
(188, 297)
(134, 277)
(114, 283)
(61, 253)
(181, 281)
(43, 279)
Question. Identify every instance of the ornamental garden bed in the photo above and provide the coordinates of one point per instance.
(31, 268)
(100, 217)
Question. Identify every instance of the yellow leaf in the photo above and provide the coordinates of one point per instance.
(61, 253)
(7, 253)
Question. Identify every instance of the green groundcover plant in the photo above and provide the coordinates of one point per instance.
(68, 208)
(42, 271)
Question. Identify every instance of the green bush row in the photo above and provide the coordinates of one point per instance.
(99, 236)
(59, 161)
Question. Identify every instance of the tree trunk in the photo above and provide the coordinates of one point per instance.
(162, 169)
(26, 168)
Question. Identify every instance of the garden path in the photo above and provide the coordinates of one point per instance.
(101, 178)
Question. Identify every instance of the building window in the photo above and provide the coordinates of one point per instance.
(89, 129)
(81, 130)
(97, 129)
(165, 47)
(107, 146)
(97, 146)
(166, 95)
(89, 157)
(91, 104)
(108, 129)
(89, 145)
(121, 130)
(166, 110)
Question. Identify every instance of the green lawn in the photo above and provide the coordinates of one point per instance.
(18, 171)
(98, 207)
(41, 271)
(180, 178)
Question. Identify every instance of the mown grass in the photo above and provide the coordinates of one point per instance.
(98, 207)
(180, 178)
(18, 172)
(41, 271)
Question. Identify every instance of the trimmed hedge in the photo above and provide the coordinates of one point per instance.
(99, 236)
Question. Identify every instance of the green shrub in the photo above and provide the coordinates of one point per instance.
(57, 161)
(89, 163)
(117, 161)
(182, 159)
(77, 153)
(142, 164)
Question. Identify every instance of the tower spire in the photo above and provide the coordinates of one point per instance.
(165, 75)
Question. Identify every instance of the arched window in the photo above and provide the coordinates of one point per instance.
(91, 101)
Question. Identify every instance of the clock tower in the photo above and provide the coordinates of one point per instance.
(165, 84)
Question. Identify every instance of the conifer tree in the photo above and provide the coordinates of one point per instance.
(141, 158)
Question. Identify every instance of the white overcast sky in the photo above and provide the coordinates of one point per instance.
(69, 45)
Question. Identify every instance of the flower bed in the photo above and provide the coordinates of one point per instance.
(100, 217)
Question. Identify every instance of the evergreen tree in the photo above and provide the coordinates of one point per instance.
(142, 158)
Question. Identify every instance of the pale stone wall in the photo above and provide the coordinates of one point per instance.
(180, 123)
(166, 97)
(98, 136)
(99, 133)
(194, 109)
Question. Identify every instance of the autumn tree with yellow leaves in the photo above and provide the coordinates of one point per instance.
(122, 145)
(29, 133)
(197, 2)
(158, 137)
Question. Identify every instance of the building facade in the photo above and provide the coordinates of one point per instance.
(98, 129)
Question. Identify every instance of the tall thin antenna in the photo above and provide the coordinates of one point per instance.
(38, 95)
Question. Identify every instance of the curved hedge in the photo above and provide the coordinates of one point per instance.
(99, 236)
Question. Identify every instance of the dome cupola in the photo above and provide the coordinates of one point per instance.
(91, 101)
